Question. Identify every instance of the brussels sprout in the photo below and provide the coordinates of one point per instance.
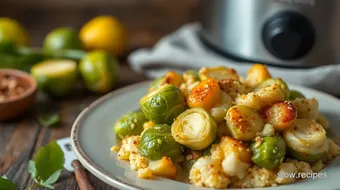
(307, 157)
(156, 83)
(256, 75)
(269, 152)
(218, 73)
(281, 115)
(130, 124)
(306, 138)
(163, 105)
(243, 122)
(170, 77)
(306, 108)
(272, 81)
(295, 94)
(194, 128)
(233, 87)
(204, 95)
(190, 76)
(100, 71)
(157, 142)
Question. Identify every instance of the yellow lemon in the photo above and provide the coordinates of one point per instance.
(104, 33)
(11, 30)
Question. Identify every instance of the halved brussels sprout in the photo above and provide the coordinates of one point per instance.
(256, 75)
(156, 83)
(243, 122)
(271, 82)
(308, 138)
(322, 120)
(281, 115)
(307, 157)
(306, 108)
(218, 73)
(262, 97)
(190, 76)
(194, 128)
(163, 105)
(130, 124)
(170, 77)
(269, 152)
(295, 94)
(232, 87)
(205, 95)
(157, 142)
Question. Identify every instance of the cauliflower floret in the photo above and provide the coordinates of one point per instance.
(268, 130)
(333, 149)
(187, 87)
(235, 156)
(129, 145)
(232, 87)
(233, 166)
(218, 112)
(138, 161)
(256, 177)
(286, 173)
(302, 167)
(317, 166)
(145, 173)
(207, 172)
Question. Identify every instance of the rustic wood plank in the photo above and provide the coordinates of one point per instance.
(146, 22)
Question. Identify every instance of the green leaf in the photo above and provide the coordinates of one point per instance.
(31, 168)
(4, 176)
(48, 120)
(53, 178)
(6, 184)
(47, 186)
(48, 160)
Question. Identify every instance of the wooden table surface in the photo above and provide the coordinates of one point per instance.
(21, 138)
(146, 23)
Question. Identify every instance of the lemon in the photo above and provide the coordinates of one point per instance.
(55, 77)
(99, 71)
(104, 33)
(11, 30)
(61, 39)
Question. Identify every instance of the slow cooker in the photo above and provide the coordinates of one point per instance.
(290, 33)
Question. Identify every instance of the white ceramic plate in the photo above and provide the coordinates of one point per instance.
(92, 137)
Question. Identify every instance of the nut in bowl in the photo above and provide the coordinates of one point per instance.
(17, 93)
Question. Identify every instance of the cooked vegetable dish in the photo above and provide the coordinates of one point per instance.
(225, 131)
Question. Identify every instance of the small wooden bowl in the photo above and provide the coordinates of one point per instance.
(19, 104)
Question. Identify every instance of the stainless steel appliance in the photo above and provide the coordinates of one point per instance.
(290, 33)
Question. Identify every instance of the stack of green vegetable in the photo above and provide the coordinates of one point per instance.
(226, 131)
(55, 65)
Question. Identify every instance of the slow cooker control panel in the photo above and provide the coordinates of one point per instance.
(288, 35)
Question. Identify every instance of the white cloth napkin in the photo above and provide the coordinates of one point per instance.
(183, 50)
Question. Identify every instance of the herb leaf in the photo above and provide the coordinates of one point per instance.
(6, 184)
(48, 160)
(47, 186)
(48, 120)
(53, 178)
(31, 168)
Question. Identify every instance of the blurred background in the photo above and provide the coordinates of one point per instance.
(146, 21)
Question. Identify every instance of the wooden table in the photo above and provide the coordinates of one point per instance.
(21, 138)
(146, 21)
